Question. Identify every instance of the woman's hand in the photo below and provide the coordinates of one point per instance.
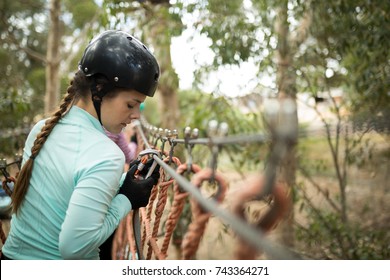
(138, 190)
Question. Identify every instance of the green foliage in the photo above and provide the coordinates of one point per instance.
(333, 228)
(355, 33)
(320, 161)
(21, 75)
(327, 237)
(234, 46)
(346, 46)
(82, 11)
(14, 128)
(19, 9)
(140, 16)
(232, 31)
(360, 152)
(23, 43)
(198, 109)
(151, 111)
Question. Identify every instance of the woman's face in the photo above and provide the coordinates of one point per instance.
(119, 111)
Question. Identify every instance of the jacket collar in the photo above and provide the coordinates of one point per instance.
(82, 118)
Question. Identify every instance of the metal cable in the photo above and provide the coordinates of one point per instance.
(253, 235)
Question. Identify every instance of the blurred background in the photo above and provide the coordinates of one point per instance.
(227, 61)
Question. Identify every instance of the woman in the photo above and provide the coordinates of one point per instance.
(71, 194)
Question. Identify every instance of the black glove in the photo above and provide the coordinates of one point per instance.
(138, 191)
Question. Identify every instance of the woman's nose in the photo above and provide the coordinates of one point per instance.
(136, 113)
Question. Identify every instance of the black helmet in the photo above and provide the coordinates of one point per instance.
(123, 60)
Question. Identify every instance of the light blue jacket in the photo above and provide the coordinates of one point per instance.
(71, 206)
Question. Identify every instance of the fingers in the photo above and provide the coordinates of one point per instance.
(156, 174)
(146, 167)
(135, 162)
(144, 189)
(150, 182)
(148, 164)
(132, 170)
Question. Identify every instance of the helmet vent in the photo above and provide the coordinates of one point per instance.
(144, 47)
(156, 77)
(130, 38)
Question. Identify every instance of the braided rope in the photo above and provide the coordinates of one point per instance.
(2, 233)
(147, 216)
(200, 217)
(124, 249)
(7, 190)
(179, 200)
(130, 249)
(2, 236)
(279, 206)
(160, 206)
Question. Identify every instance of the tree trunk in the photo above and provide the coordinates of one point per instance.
(169, 103)
(287, 90)
(169, 81)
(52, 93)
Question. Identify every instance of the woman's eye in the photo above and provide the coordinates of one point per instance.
(130, 106)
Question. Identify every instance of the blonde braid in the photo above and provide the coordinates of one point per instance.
(23, 181)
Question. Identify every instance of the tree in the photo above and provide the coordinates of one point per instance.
(161, 26)
(56, 51)
(303, 55)
(22, 71)
(156, 22)
(347, 51)
(355, 35)
(38, 40)
(53, 58)
(260, 30)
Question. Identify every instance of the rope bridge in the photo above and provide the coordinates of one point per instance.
(138, 235)
(251, 237)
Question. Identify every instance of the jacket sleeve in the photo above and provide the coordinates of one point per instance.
(94, 209)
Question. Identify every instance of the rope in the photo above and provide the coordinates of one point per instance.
(2, 233)
(5, 186)
(3, 237)
(201, 217)
(174, 214)
(8, 179)
(249, 192)
(160, 206)
(179, 200)
(183, 188)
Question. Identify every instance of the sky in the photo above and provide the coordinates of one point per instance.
(190, 47)
(233, 81)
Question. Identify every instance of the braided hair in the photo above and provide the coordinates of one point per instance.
(78, 88)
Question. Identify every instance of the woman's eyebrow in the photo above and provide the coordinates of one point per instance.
(137, 100)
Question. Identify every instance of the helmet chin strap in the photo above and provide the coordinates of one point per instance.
(97, 95)
(98, 91)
